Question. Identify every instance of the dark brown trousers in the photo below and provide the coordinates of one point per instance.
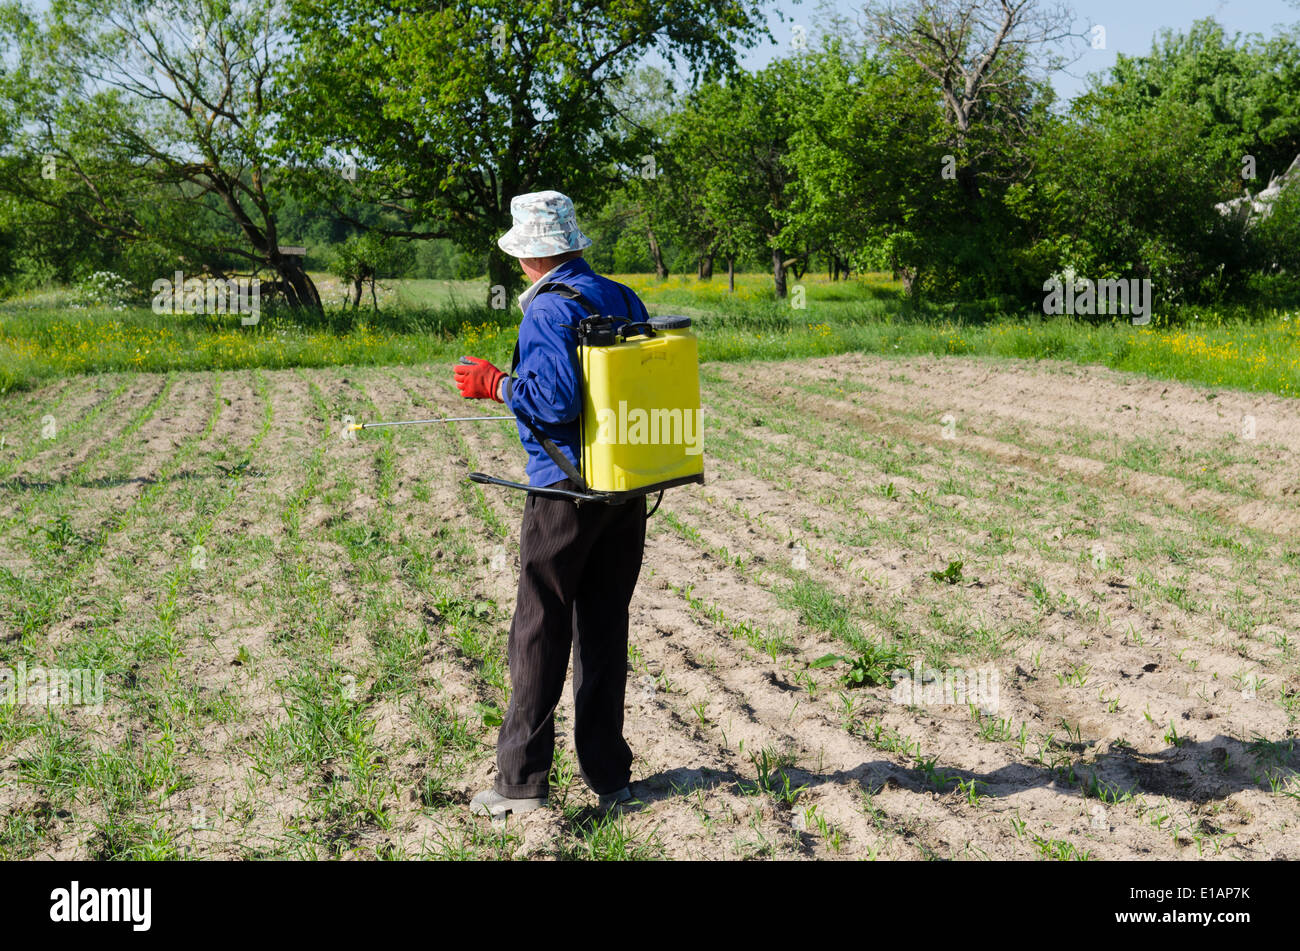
(578, 568)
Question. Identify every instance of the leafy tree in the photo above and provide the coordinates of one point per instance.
(449, 110)
(362, 259)
(859, 152)
(980, 56)
(1134, 196)
(648, 202)
(878, 179)
(730, 145)
(156, 120)
(1127, 184)
(912, 147)
(1275, 244)
(1246, 89)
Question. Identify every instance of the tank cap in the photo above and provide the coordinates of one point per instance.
(670, 322)
(596, 332)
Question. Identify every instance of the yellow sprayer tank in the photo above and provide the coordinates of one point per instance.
(641, 421)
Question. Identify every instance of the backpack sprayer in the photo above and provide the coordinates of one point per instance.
(640, 421)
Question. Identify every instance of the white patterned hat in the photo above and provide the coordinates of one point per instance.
(544, 226)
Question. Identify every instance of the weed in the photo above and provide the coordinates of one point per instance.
(949, 575)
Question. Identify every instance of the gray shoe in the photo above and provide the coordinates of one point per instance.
(609, 800)
(492, 803)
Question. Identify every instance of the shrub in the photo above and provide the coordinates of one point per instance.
(105, 289)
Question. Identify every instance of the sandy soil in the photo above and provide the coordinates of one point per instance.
(1130, 555)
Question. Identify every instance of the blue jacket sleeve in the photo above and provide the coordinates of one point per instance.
(548, 385)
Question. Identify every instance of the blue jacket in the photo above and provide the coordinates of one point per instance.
(547, 386)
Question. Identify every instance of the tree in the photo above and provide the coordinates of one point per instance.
(860, 152)
(152, 123)
(449, 110)
(668, 204)
(362, 259)
(1276, 233)
(1247, 89)
(1119, 194)
(732, 140)
(984, 63)
(645, 102)
(980, 54)
(1128, 182)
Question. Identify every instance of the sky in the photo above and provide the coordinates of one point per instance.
(1130, 26)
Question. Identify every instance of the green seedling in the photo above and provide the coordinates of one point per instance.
(1019, 825)
(1076, 676)
(847, 706)
(773, 778)
(1059, 850)
(59, 532)
(490, 713)
(872, 668)
(949, 575)
(807, 681)
(971, 791)
(700, 707)
(938, 779)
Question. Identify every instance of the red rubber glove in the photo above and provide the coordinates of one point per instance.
(478, 380)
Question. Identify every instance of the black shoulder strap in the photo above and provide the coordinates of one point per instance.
(559, 458)
(565, 291)
(627, 304)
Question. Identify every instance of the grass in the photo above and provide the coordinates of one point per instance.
(41, 336)
(322, 694)
(773, 778)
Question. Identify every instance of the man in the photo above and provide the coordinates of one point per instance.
(578, 561)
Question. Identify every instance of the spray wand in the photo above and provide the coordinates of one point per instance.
(450, 419)
(413, 422)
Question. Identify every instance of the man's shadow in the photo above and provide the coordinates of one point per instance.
(1192, 772)
(22, 484)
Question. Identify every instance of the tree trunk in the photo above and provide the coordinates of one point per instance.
(299, 291)
(834, 269)
(731, 275)
(778, 273)
(706, 267)
(656, 253)
(911, 277)
(969, 183)
(374, 301)
(356, 294)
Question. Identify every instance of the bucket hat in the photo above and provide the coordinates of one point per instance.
(544, 226)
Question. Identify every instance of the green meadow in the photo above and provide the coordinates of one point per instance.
(429, 321)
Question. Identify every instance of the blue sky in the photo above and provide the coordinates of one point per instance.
(1130, 27)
